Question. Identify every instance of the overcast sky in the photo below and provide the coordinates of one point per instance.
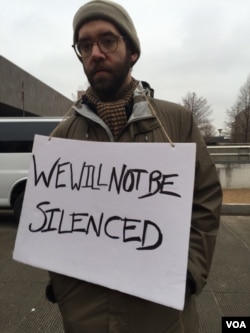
(199, 46)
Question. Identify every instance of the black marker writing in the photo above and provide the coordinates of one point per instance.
(129, 180)
(63, 175)
(86, 176)
(125, 229)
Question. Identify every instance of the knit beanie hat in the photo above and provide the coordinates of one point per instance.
(110, 11)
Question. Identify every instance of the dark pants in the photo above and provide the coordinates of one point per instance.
(88, 308)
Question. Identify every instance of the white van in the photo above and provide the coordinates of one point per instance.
(16, 140)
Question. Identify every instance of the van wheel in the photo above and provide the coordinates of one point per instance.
(17, 207)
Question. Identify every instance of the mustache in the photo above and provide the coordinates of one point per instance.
(98, 68)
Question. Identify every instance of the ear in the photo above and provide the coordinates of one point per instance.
(134, 57)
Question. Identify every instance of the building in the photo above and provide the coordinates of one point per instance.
(21, 94)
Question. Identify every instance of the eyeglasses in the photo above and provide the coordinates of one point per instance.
(107, 44)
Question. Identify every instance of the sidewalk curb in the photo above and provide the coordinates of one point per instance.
(236, 209)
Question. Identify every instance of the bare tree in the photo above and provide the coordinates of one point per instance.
(207, 129)
(231, 131)
(238, 117)
(201, 112)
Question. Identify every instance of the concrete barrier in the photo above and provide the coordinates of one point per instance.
(234, 175)
(236, 209)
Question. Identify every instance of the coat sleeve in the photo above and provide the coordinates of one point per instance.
(207, 197)
(207, 200)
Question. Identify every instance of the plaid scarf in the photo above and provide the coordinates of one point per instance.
(113, 113)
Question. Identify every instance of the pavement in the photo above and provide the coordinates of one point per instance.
(23, 308)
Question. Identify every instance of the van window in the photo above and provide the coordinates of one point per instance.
(17, 134)
(16, 142)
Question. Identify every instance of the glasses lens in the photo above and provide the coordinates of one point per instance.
(108, 44)
(84, 48)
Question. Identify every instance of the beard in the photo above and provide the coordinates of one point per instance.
(106, 85)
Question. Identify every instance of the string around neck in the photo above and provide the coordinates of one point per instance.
(155, 114)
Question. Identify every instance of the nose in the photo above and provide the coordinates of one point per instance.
(96, 51)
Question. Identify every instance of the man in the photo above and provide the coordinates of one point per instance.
(118, 108)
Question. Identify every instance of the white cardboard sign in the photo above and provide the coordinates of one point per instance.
(114, 214)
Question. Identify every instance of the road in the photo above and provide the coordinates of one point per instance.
(24, 309)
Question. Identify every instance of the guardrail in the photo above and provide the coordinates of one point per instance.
(230, 153)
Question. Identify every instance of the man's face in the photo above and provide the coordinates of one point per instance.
(108, 73)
